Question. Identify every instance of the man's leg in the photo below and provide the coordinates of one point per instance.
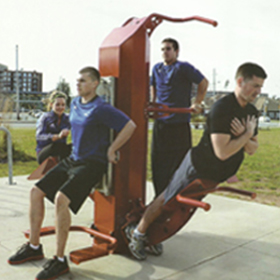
(36, 214)
(71, 195)
(138, 239)
(183, 176)
(170, 144)
(33, 250)
(152, 212)
(58, 265)
(62, 222)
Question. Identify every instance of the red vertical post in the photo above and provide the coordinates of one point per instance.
(124, 54)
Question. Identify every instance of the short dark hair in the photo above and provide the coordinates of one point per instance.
(248, 70)
(174, 43)
(93, 73)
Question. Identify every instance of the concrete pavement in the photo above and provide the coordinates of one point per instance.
(234, 240)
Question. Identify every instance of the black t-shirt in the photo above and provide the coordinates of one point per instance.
(219, 119)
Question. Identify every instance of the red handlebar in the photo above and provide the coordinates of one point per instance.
(155, 17)
(193, 202)
(156, 108)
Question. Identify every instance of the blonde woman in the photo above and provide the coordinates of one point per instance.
(53, 128)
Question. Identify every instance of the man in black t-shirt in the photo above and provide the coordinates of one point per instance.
(231, 130)
(226, 114)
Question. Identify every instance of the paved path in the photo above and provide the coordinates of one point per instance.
(235, 240)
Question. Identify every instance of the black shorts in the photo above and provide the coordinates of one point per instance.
(55, 149)
(75, 179)
(184, 175)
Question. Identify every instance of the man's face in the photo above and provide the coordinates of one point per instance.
(169, 55)
(85, 85)
(250, 88)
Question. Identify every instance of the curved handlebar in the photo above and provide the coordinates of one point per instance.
(152, 21)
(170, 110)
(162, 17)
(154, 109)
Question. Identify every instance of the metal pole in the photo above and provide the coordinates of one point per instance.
(279, 113)
(10, 154)
(17, 84)
(214, 81)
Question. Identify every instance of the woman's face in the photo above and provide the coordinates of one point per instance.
(58, 106)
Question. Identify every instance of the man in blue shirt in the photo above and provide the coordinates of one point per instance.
(171, 84)
(69, 183)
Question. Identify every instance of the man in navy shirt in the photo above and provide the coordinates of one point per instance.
(230, 131)
(69, 183)
(171, 84)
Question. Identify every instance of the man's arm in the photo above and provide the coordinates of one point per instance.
(122, 137)
(224, 147)
(201, 92)
(237, 129)
(153, 94)
(251, 146)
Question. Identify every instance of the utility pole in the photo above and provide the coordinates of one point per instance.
(279, 113)
(214, 81)
(17, 84)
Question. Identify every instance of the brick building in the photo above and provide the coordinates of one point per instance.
(29, 81)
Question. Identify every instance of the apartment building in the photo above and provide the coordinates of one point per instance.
(29, 81)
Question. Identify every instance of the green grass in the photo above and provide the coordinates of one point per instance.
(24, 144)
(260, 172)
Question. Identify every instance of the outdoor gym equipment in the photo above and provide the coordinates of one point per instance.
(124, 59)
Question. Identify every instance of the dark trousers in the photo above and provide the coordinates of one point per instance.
(170, 143)
(55, 149)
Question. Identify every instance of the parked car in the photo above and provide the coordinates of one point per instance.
(264, 119)
(36, 113)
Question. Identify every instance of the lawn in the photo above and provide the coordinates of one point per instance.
(259, 173)
(25, 143)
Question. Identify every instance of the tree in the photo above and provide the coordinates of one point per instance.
(63, 86)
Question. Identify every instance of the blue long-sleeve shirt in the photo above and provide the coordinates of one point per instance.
(47, 126)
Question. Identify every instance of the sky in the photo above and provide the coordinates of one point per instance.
(59, 37)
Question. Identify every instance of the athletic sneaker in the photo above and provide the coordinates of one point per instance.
(156, 249)
(137, 243)
(53, 269)
(26, 253)
(129, 231)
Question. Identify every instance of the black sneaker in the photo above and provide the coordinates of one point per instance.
(26, 253)
(53, 269)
